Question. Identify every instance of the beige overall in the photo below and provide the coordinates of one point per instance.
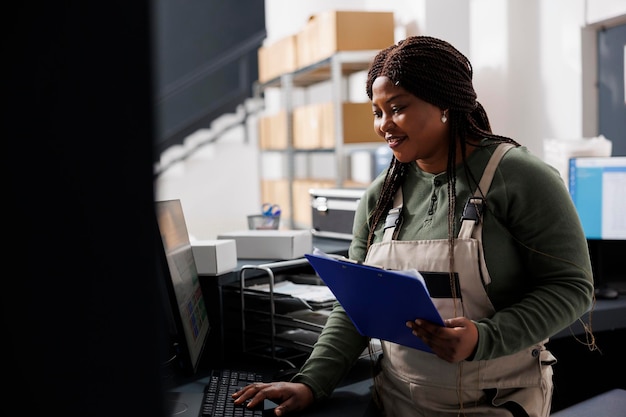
(417, 383)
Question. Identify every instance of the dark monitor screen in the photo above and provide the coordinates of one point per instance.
(597, 186)
(189, 325)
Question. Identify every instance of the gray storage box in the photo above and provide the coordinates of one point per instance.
(333, 211)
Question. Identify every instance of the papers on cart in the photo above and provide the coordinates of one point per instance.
(315, 295)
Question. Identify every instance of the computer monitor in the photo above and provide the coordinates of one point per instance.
(188, 319)
(597, 186)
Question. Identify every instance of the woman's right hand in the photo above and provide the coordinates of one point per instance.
(290, 396)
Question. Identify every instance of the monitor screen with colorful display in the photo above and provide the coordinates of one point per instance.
(598, 188)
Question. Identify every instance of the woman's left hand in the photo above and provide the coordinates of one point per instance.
(453, 343)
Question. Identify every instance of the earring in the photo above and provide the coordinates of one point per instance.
(444, 116)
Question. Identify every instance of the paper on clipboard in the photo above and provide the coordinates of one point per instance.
(378, 301)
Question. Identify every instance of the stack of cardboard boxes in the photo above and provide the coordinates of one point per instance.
(313, 125)
(323, 35)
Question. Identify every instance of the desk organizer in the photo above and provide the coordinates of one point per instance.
(284, 336)
(263, 222)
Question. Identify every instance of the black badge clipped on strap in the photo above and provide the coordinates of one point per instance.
(473, 209)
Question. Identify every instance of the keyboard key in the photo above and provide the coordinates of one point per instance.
(217, 394)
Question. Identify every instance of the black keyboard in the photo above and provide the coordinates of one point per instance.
(222, 384)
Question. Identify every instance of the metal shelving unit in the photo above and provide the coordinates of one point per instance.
(335, 69)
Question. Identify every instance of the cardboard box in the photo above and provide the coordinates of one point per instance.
(273, 131)
(332, 31)
(307, 126)
(302, 199)
(276, 191)
(277, 58)
(271, 244)
(357, 121)
(214, 257)
(314, 125)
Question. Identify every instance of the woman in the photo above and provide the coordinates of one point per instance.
(493, 223)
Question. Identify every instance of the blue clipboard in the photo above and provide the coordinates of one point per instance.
(378, 301)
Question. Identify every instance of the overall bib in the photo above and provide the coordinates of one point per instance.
(417, 383)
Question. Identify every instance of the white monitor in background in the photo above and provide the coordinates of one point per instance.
(598, 188)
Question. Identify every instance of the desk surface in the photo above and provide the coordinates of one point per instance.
(352, 398)
(606, 315)
(334, 246)
(610, 403)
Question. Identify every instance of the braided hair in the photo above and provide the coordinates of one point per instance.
(438, 73)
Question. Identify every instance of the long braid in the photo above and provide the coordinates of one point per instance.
(451, 170)
(393, 180)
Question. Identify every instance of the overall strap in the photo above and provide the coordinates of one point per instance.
(473, 210)
(393, 217)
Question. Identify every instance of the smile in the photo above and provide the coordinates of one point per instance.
(394, 141)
